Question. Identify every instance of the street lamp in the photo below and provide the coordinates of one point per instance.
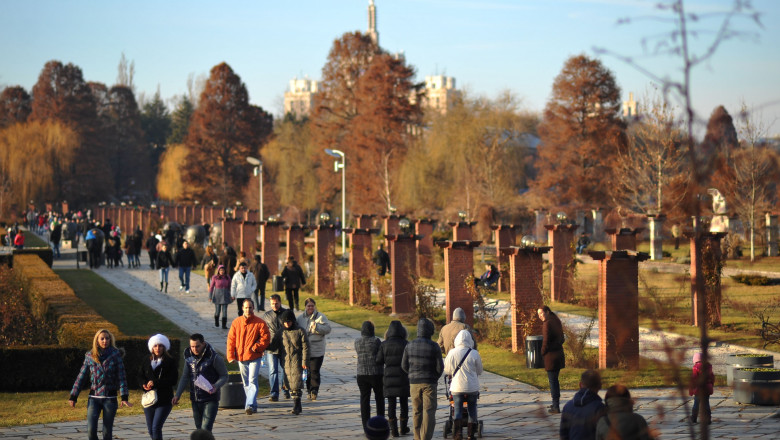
(336, 166)
(259, 173)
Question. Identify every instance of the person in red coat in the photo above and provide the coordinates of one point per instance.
(702, 375)
(552, 352)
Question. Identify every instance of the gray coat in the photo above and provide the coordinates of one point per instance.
(316, 327)
(295, 354)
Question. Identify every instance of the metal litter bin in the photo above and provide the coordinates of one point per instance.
(533, 352)
(278, 283)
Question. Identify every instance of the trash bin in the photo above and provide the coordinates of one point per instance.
(278, 284)
(533, 352)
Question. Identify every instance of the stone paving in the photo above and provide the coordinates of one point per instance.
(508, 409)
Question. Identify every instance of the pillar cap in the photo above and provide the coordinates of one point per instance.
(271, 223)
(495, 227)
(425, 220)
(364, 215)
(444, 244)
(619, 255)
(525, 250)
(391, 216)
(404, 237)
(249, 222)
(320, 227)
(623, 231)
(360, 231)
(461, 223)
(294, 226)
(571, 228)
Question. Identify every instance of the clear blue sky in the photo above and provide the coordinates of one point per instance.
(487, 45)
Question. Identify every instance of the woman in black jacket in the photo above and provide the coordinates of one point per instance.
(395, 381)
(164, 263)
(160, 373)
(552, 352)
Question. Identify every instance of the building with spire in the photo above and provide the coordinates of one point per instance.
(372, 32)
(440, 93)
(299, 97)
(630, 107)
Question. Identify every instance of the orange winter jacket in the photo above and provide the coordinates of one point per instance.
(248, 338)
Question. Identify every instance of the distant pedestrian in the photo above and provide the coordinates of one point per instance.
(164, 263)
(295, 345)
(422, 361)
(317, 327)
(448, 333)
(55, 236)
(464, 365)
(185, 261)
(159, 373)
(261, 273)
(210, 263)
(581, 414)
(151, 249)
(381, 260)
(204, 373)
(395, 382)
(552, 352)
(219, 295)
(620, 422)
(104, 370)
(676, 235)
(19, 240)
(369, 372)
(242, 286)
(702, 378)
(294, 279)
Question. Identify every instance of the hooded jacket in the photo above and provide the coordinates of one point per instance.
(219, 289)
(422, 357)
(621, 422)
(295, 351)
(367, 348)
(467, 380)
(316, 327)
(391, 352)
(580, 416)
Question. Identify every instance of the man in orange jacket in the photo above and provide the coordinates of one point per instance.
(247, 340)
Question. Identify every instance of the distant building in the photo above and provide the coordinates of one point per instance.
(299, 98)
(630, 107)
(372, 32)
(440, 93)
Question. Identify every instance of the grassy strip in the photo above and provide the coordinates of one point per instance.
(32, 240)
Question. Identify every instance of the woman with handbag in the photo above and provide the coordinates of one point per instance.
(157, 377)
(464, 364)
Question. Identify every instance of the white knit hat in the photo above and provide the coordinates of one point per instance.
(159, 339)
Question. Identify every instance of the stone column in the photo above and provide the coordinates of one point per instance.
(249, 238)
(623, 239)
(462, 231)
(706, 305)
(771, 235)
(404, 272)
(598, 225)
(424, 229)
(526, 276)
(540, 220)
(364, 221)
(325, 260)
(504, 237)
(390, 227)
(561, 238)
(231, 232)
(270, 245)
(656, 236)
(295, 242)
(360, 265)
(458, 264)
(619, 308)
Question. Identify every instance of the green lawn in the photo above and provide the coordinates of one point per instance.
(32, 240)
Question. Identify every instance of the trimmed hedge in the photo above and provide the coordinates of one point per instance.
(54, 367)
(45, 253)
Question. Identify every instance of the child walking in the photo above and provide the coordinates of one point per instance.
(296, 354)
(702, 374)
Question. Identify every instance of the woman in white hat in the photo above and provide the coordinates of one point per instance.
(160, 373)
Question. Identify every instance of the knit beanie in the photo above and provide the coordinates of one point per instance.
(159, 339)
(377, 428)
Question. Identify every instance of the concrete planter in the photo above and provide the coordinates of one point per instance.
(757, 386)
(746, 360)
(232, 393)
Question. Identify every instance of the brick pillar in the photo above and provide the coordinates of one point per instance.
(390, 227)
(197, 215)
(239, 213)
(462, 231)
(325, 260)
(526, 274)
(504, 237)
(598, 225)
(424, 228)
(360, 265)
(619, 308)
(146, 221)
(205, 214)
(656, 236)
(64, 207)
(560, 238)
(231, 232)
(252, 215)
(771, 235)
(404, 272)
(540, 220)
(623, 239)
(458, 264)
(706, 306)
(135, 219)
(364, 221)
(295, 241)
(249, 238)
(180, 215)
(270, 246)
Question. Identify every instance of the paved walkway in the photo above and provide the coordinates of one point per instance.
(509, 409)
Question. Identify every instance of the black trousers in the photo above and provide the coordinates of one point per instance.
(366, 384)
(292, 294)
(404, 401)
(313, 381)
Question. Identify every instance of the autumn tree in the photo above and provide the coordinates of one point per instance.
(127, 156)
(15, 106)
(156, 126)
(721, 137)
(169, 176)
(180, 121)
(581, 135)
(224, 130)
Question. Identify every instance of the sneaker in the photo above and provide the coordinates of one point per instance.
(274, 398)
(181, 288)
(249, 411)
(186, 291)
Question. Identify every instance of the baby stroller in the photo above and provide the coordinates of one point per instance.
(448, 424)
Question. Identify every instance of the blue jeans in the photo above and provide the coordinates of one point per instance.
(155, 418)
(555, 387)
(164, 275)
(705, 406)
(218, 308)
(249, 371)
(275, 373)
(205, 412)
(471, 401)
(184, 277)
(94, 407)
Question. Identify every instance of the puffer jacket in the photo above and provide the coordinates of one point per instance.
(580, 416)
(422, 357)
(275, 326)
(395, 381)
(243, 287)
(295, 352)
(247, 339)
(317, 327)
(367, 348)
(467, 379)
(701, 369)
(621, 422)
(219, 289)
(106, 377)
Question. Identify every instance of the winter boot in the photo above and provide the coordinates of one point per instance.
(224, 323)
(457, 429)
(393, 427)
(473, 430)
(161, 286)
(405, 426)
(297, 406)
(166, 287)
(216, 321)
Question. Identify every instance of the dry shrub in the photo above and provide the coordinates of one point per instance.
(576, 344)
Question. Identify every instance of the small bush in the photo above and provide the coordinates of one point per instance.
(751, 280)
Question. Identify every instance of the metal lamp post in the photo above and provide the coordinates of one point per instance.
(259, 173)
(336, 166)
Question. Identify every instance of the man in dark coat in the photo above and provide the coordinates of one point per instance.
(382, 261)
(581, 415)
(423, 363)
(552, 351)
(151, 249)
